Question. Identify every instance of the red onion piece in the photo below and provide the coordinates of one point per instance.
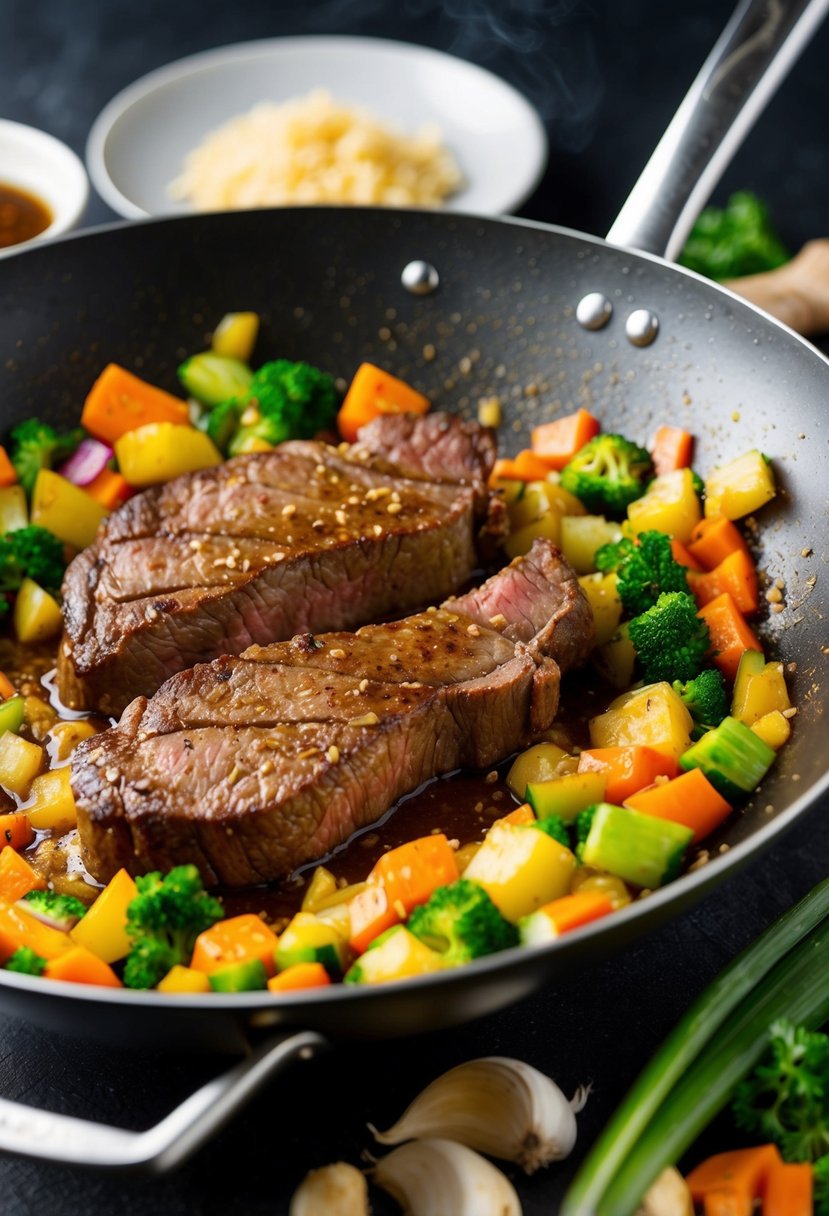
(88, 460)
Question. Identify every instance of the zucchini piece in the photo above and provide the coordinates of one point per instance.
(11, 714)
(248, 976)
(733, 758)
(307, 939)
(566, 796)
(638, 848)
(212, 378)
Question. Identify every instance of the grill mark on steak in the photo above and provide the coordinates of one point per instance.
(262, 547)
(251, 766)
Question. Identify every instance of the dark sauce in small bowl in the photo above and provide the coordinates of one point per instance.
(22, 215)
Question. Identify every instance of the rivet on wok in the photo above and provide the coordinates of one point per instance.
(420, 278)
(642, 326)
(594, 311)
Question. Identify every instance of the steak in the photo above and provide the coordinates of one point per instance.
(251, 766)
(302, 538)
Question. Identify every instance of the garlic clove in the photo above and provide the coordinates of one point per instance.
(497, 1105)
(334, 1190)
(441, 1178)
(668, 1195)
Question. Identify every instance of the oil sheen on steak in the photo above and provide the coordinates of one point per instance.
(306, 537)
(251, 766)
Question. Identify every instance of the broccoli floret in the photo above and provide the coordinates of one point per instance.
(35, 445)
(698, 484)
(820, 1174)
(584, 822)
(461, 922)
(293, 401)
(607, 474)
(62, 910)
(26, 962)
(670, 640)
(163, 921)
(706, 699)
(221, 423)
(554, 827)
(737, 240)
(784, 1098)
(646, 569)
(31, 552)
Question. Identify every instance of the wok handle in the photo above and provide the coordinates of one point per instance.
(752, 56)
(62, 1138)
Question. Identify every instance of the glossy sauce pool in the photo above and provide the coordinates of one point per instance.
(22, 215)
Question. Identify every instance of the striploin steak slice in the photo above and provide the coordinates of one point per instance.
(305, 537)
(251, 766)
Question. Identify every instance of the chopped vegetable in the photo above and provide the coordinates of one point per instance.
(247, 976)
(14, 509)
(370, 914)
(733, 758)
(184, 980)
(213, 378)
(164, 920)
(521, 869)
(160, 451)
(671, 449)
(729, 1183)
(110, 489)
(559, 441)
(119, 402)
(734, 240)
(684, 556)
(583, 536)
(299, 976)
(20, 761)
(87, 462)
(412, 871)
(66, 511)
(12, 712)
(616, 660)
(287, 401)
(670, 639)
(773, 728)
(81, 966)
(103, 929)
(307, 939)
(18, 928)
(607, 474)
(715, 539)
(739, 487)
(374, 392)
(730, 633)
(705, 697)
(26, 962)
(689, 799)
(605, 604)
(396, 955)
(8, 473)
(820, 1177)
(527, 466)
(37, 614)
(645, 570)
(759, 688)
(31, 552)
(735, 574)
(460, 922)
(653, 716)
(59, 911)
(638, 848)
(235, 335)
(788, 1190)
(35, 445)
(16, 830)
(566, 796)
(537, 763)
(626, 769)
(17, 877)
(51, 804)
(563, 915)
(671, 505)
(554, 827)
(235, 940)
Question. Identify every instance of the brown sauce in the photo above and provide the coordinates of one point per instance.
(22, 215)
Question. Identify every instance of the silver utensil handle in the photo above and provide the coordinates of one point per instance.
(62, 1138)
(751, 58)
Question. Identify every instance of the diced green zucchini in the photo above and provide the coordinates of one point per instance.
(12, 712)
(240, 977)
(395, 955)
(640, 848)
(14, 510)
(212, 378)
(566, 796)
(733, 758)
(307, 939)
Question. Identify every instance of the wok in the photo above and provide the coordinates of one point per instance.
(463, 308)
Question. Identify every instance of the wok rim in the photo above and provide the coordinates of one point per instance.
(683, 890)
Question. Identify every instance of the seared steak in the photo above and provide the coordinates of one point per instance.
(251, 766)
(306, 537)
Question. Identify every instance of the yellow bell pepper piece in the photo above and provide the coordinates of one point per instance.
(759, 689)
(521, 868)
(14, 510)
(104, 928)
(65, 510)
(604, 602)
(617, 658)
(773, 728)
(20, 762)
(739, 487)
(610, 885)
(160, 451)
(546, 527)
(37, 614)
(398, 957)
(671, 505)
(653, 716)
(538, 763)
(52, 805)
(235, 336)
(184, 979)
(582, 535)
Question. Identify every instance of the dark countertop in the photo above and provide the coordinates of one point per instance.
(606, 83)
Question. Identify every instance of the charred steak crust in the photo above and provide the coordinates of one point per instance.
(251, 766)
(303, 538)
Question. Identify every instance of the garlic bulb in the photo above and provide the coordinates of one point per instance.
(499, 1106)
(441, 1178)
(334, 1190)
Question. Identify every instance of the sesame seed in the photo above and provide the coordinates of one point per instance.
(318, 524)
(377, 530)
(333, 754)
(289, 509)
(363, 685)
(473, 631)
(806, 552)
(498, 621)
(111, 774)
(337, 653)
(341, 518)
(491, 778)
(369, 719)
(234, 775)
(308, 753)
(790, 712)
(353, 501)
(266, 768)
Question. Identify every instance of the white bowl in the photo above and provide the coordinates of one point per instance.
(38, 163)
(138, 143)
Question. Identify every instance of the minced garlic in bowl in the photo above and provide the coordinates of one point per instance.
(314, 149)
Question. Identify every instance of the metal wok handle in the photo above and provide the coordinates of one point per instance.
(62, 1138)
(751, 58)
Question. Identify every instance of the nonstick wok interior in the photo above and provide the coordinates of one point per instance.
(502, 322)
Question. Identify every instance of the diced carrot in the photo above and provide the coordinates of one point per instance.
(730, 633)
(715, 539)
(373, 392)
(557, 442)
(689, 799)
(735, 574)
(671, 449)
(370, 914)
(119, 402)
(684, 556)
(8, 473)
(628, 769)
(81, 966)
(571, 911)
(530, 467)
(411, 872)
(18, 928)
(16, 830)
(17, 878)
(235, 940)
(300, 975)
(7, 689)
(110, 489)
(788, 1190)
(522, 815)
(736, 1178)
